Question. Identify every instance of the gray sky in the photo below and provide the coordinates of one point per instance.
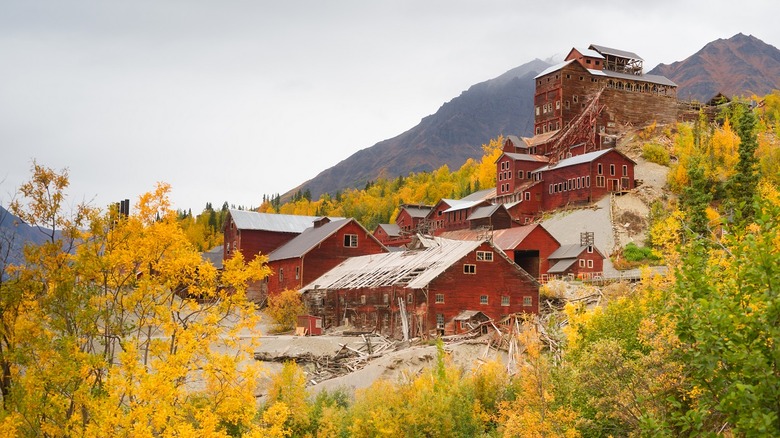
(227, 100)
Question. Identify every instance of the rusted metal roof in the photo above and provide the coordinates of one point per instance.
(506, 240)
(527, 157)
(461, 204)
(480, 195)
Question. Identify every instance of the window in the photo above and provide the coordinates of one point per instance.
(527, 196)
(281, 275)
(528, 175)
(600, 181)
(484, 256)
(537, 110)
(386, 298)
(351, 240)
(590, 264)
(625, 170)
(582, 263)
(504, 300)
(590, 249)
(528, 302)
(297, 272)
(440, 321)
(611, 170)
(574, 98)
(566, 104)
(557, 104)
(582, 78)
(587, 181)
(439, 298)
(600, 170)
(469, 269)
(520, 174)
(483, 299)
(568, 76)
(409, 298)
(587, 61)
(362, 299)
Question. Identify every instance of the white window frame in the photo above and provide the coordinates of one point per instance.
(484, 256)
(590, 264)
(469, 269)
(528, 301)
(439, 299)
(483, 300)
(505, 300)
(350, 240)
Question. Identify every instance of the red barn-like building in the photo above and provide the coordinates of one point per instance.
(576, 261)
(530, 246)
(423, 289)
(317, 250)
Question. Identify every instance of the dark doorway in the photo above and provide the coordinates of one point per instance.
(529, 261)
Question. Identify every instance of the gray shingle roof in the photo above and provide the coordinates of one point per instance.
(484, 212)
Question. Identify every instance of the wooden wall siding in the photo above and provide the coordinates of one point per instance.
(498, 221)
(436, 217)
(577, 270)
(367, 309)
(612, 183)
(573, 86)
(406, 221)
(540, 240)
(253, 242)
(322, 258)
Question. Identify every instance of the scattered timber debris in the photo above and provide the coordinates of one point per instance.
(349, 358)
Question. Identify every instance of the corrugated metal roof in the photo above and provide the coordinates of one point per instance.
(577, 159)
(567, 251)
(392, 230)
(417, 211)
(484, 212)
(653, 79)
(615, 52)
(553, 68)
(214, 255)
(461, 204)
(480, 195)
(304, 242)
(561, 266)
(413, 269)
(527, 157)
(283, 223)
(589, 53)
(506, 240)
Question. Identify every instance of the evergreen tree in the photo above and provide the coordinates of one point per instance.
(745, 181)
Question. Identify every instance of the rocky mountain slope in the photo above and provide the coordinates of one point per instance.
(456, 132)
(740, 65)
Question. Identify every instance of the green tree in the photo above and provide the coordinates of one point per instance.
(744, 183)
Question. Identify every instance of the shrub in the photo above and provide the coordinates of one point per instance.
(284, 309)
(634, 253)
(655, 153)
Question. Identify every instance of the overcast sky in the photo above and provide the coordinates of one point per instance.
(228, 100)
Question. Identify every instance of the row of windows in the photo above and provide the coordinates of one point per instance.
(578, 183)
(504, 175)
(600, 169)
(583, 263)
(483, 299)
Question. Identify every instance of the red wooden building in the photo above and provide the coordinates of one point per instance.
(424, 288)
(530, 246)
(260, 233)
(585, 178)
(317, 250)
(576, 261)
(409, 220)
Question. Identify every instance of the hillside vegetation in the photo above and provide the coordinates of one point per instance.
(115, 326)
